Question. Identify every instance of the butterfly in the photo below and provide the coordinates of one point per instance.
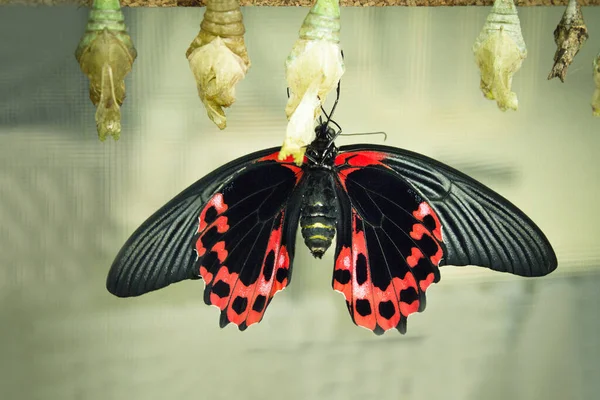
(397, 216)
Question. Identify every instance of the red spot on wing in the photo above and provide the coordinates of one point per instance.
(414, 257)
(406, 309)
(206, 275)
(217, 202)
(437, 257)
(200, 250)
(219, 248)
(418, 231)
(425, 210)
(221, 224)
(424, 284)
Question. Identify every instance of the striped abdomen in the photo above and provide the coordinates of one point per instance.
(319, 212)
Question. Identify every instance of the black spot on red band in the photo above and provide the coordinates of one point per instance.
(409, 295)
(259, 303)
(239, 304)
(211, 215)
(387, 309)
(342, 276)
(363, 307)
(429, 223)
(361, 269)
(269, 264)
(221, 289)
(281, 275)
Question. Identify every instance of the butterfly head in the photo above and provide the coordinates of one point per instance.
(322, 150)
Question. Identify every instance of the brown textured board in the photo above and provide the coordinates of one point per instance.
(307, 3)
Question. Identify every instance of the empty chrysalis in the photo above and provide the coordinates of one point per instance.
(218, 57)
(499, 52)
(596, 96)
(569, 36)
(106, 54)
(313, 69)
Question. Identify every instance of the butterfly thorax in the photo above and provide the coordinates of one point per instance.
(319, 210)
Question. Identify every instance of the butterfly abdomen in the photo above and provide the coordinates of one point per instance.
(319, 212)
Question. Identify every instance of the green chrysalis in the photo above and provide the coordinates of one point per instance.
(106, 55)
(322, 22)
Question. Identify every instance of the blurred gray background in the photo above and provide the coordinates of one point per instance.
(68, 203)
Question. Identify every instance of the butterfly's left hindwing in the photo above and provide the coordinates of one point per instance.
(389, 246)
(235, 229)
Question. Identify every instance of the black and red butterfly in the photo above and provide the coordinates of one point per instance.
(397, 215)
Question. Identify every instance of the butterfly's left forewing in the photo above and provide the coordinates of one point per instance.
(236, 231)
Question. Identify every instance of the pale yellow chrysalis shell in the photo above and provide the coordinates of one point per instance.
(596, 97)
(218, 57)
(313, 69)
(499, 52)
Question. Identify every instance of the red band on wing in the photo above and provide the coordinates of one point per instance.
(246, 304)
(360, 158)
(265, 286)
(371, 306)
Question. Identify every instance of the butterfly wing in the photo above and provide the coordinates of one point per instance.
(234, 228)
(403, 215)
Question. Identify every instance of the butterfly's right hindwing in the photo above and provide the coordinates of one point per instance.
(160, 251)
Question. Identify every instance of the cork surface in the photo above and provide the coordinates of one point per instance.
(308, 3)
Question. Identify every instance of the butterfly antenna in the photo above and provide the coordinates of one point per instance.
(365, 134)
(337, 98)
(324, 112)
